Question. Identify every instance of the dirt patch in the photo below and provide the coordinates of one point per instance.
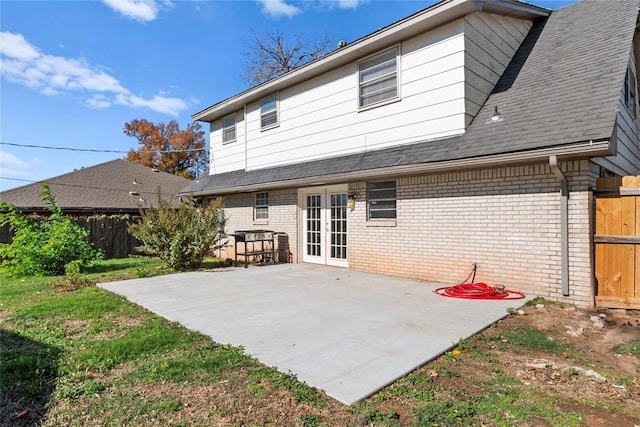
(587, 371)
(546, 362)
(84, 327)
(593, 332)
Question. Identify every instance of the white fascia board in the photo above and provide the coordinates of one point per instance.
(428, 19)
(578, 150)
(512, 8)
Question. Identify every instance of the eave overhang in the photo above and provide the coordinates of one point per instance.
(583, 149)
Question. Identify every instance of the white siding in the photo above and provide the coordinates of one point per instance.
(320, 118)
(230, 156)
(445, 76)
(627, 138)
(490, 43)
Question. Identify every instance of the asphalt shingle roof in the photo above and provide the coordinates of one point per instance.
(562, 87)
(101, 188)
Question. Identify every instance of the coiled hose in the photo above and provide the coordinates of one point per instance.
(478, 290)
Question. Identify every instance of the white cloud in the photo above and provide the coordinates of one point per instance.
(15, 46)
(22, 63)
(98, 101)
(139, 10)
(14, 167)
(159, 103)
(278, 8)
(350, 4)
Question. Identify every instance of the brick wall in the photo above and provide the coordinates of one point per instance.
(238, 209)
(505, 219)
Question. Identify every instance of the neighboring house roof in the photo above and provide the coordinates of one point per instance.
(103, 188)
(559, 95)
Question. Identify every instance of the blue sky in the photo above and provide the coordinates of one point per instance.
(73, 72)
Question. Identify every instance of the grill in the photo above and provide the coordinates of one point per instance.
(256, 243)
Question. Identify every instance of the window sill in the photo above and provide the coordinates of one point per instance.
(260, 222)
(229, 142)
(266, 128)
(381, 223)
(379, 104)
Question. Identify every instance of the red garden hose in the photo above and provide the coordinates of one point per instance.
(478, 290)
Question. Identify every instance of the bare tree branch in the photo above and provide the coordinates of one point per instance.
(271, 55)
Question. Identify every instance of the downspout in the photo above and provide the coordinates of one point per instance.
(564, 223)
(244, 120)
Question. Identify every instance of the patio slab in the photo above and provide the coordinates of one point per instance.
(345, 332)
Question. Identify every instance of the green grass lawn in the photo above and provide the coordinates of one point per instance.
(87, 356)
(74, 354)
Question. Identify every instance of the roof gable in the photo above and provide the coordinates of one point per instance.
(564, 83)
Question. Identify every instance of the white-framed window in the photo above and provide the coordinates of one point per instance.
(269, 112)
(378, 78)
(381, 199)
(229, 128)
(261, 209)
(631, 92)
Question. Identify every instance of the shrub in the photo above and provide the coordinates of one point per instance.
(43, 246)
(181, 236)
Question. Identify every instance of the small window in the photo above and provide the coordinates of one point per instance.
(262, 206)
(382, 200)
(229, 128)
(630, 92)
(378, 78)
(269, 112)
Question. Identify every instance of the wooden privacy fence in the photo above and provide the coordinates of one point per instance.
(107, 233)
(617, 242)
(110, 234)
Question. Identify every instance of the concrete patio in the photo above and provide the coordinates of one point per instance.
(345, 332)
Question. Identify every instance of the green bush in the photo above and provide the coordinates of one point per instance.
(181, 236)
(43, 246)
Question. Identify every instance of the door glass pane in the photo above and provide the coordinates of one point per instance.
(338, 218)
(313, 225)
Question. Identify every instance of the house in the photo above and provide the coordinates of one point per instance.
(470, 132)
(117, 187)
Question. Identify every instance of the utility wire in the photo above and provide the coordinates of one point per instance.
(54, 183)
(95, 150)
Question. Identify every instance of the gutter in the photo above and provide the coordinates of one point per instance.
(564, 223)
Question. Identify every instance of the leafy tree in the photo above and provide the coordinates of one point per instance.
(43, 247)
(168, 148)
(180, 237)
(271, 55)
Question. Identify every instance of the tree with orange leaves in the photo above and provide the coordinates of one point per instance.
(167, 148)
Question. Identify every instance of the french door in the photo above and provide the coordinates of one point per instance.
(324, 225)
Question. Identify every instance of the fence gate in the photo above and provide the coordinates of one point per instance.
(617, 242)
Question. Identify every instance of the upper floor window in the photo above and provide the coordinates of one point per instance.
(229, 128)
(269, 112)
(378, 78)
(261, 210)
(630, 92)
(382, 200)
